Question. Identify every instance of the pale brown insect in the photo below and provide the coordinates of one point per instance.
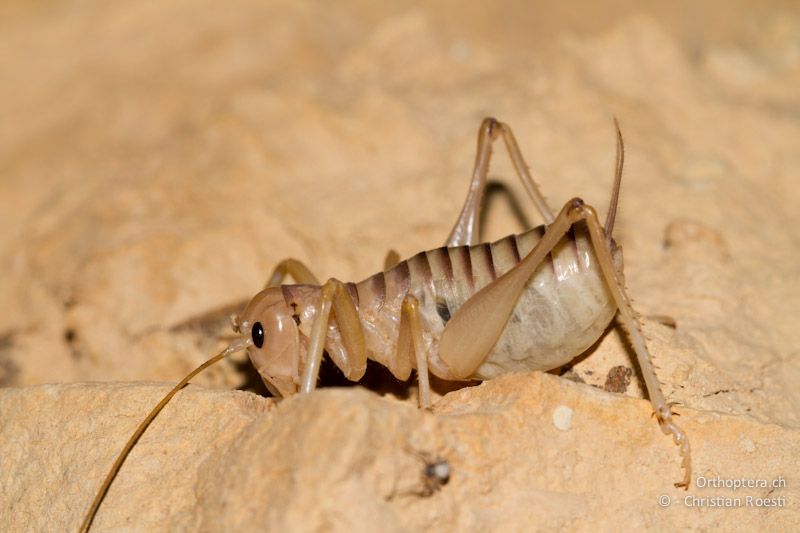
(464, 311)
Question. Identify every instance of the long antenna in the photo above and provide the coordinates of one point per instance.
(612, 208)
(233, 347)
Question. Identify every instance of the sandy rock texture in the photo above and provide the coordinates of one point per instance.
(157, 159)
(347, 460)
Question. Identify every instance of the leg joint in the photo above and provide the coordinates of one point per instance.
(576, 204)
(664, 414)
(574, 210)
(491, 127)
(577, 209)
(330, 287)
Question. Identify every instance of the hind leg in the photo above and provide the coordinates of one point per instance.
(466, 228)
(476, 326)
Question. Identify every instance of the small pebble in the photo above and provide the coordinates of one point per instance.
(562, 418)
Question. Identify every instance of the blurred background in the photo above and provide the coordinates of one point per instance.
(158, 158)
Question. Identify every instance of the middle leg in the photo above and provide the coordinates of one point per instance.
(299, 272)
(410, 338)
(352, 360)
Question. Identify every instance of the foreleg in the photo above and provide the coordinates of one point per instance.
(335, 300)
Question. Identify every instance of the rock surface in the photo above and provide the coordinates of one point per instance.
(157, 159)
(346, 459)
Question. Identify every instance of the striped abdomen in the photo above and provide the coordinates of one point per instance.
(563, 310)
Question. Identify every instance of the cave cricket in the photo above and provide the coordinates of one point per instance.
(464, 311)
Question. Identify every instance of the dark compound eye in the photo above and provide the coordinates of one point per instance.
(258, 335)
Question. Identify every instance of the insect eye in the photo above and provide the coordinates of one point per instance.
(258, 335)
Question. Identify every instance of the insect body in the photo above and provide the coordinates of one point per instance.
(467, 310)
(562, 310)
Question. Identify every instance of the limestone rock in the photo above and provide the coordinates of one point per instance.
(157, 159)
(346, 459)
